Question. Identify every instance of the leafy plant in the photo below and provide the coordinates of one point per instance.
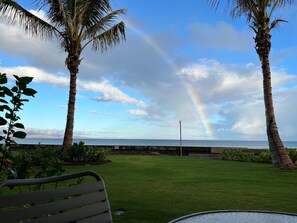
(46, 161)
(246, 156)
(76, 152)
(264, 157)
(93, 154)
(11, 102)
(22, 167)
(79, 152)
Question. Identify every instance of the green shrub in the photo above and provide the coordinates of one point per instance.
(264, 157)
(235, 154)
(47, 161)
(293, 155)
(11, 103)
(21, 167)
(40, 162)
(76, 152)
(79, 152)
(93, 154)
(246, 156)
(41, 153)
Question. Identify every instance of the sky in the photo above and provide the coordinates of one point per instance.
(181, 61)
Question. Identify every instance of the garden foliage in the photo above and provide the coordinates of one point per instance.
(11, 102)
(249, 156)
(79, 152)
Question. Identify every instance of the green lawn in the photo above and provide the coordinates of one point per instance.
(161, 188)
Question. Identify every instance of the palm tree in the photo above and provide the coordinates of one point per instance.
(259, 15)
(76, 24)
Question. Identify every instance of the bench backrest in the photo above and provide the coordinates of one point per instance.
(59, 199)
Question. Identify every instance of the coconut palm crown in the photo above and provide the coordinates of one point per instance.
(259, 14)
(76, 24)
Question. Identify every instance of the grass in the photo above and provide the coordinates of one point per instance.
(160, 188)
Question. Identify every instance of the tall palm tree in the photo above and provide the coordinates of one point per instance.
(259, 15)
(76, 24)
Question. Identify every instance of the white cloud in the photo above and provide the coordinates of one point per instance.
(234, 94)
(110, 93)
(137, 112)
(196, 72)
(38, 74)
(58, 133)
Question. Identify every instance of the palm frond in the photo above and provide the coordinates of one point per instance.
(108, 38)
(275, 23)
(95, 9)
(250, 8)
(100, 26)
(15, 14)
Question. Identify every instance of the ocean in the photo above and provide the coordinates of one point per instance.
(161, 142)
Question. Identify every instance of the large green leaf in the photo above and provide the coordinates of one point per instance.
(22, 85)
(16, 77)
(3, 79)
(14, 89)
(7, 91)
(2, 121)
(29, 92)
(3, 101)
(20, 135)
(6, 107)
(23, 81)
(8, 116)
(26, 79)
(19, 125)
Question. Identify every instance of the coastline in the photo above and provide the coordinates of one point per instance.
(159, 142)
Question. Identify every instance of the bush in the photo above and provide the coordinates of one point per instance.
(264, 157)
(21, 167)
(47, 161)
(293, 155)
(39, 154)
(239, 155)
(246, 156)
(11, 103)
(40, 162)
(78, 152)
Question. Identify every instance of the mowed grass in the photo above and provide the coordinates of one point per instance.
(161, 188)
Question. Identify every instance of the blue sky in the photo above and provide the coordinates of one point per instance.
(181, 61)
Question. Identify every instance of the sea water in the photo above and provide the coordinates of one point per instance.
(161, 142)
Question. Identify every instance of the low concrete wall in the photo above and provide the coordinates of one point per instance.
(202, 152)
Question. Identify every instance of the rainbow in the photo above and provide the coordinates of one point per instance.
(198, 105)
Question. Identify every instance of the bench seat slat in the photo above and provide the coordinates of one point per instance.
(71, 215)
(55, 207)
(104, 218)
(85, 203)
(37, 196)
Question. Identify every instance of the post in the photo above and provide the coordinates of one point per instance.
(180, 139)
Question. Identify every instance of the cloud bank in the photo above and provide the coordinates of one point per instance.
(154, 82)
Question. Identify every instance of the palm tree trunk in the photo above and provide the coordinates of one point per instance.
(72, 63)
(68, 135)
(279, 155)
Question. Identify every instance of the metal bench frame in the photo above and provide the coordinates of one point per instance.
(86, 202)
